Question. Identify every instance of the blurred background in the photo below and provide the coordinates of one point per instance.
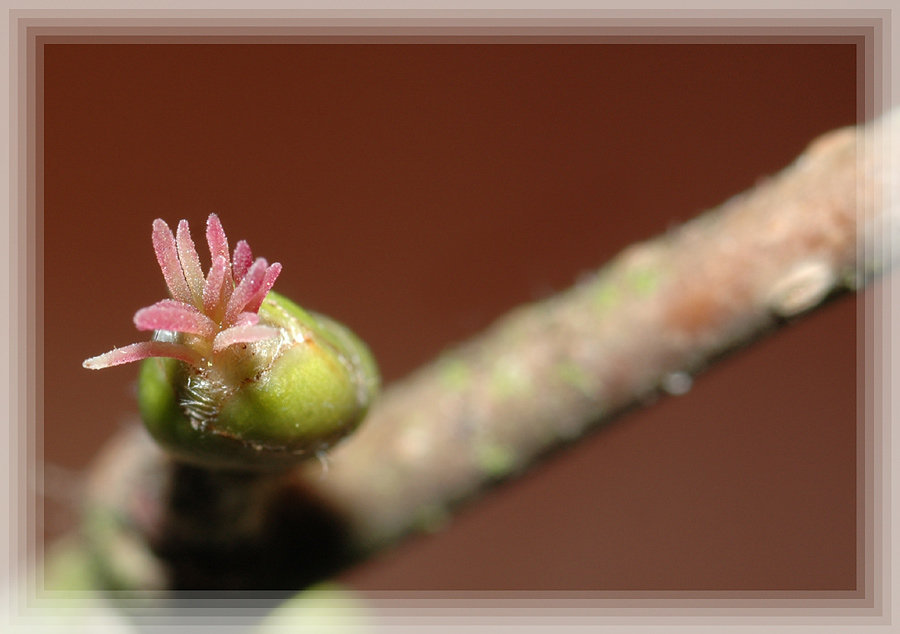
(417, 191)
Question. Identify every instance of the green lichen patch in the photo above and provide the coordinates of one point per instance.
(643, 280)
(509, 379)
(605, 295)
(574, 375)
(454, 374)
(495, 460)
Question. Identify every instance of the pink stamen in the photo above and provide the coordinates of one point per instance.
(176, 316)
(242, 334)
(143, 350)
(218, 242)
(213, 291)
(256, 301)
(243, 258)
(245, 291)
(246, 319)
(190, 262)
(167, 256)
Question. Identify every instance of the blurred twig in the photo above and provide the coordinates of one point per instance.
(540, 377)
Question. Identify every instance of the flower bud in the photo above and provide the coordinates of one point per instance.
(236, 376)
(267, 404)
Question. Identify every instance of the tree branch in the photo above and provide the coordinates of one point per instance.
(538, 379)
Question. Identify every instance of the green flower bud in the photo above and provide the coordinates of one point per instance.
(236, 376)
(267, 404)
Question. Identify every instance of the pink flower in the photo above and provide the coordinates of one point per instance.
(212, 312)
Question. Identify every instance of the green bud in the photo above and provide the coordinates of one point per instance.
(267, 404)
(237, 376)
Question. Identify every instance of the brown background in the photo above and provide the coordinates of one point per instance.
(416, 192)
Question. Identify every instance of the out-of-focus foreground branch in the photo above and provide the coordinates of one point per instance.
(540, 377)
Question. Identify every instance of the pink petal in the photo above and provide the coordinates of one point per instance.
(241, 334)
(213, 292)
(190, 261)
(243, 258)
(246, 290)
(167, 256)
(143, 350)
(176, 316)
(268, 281)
